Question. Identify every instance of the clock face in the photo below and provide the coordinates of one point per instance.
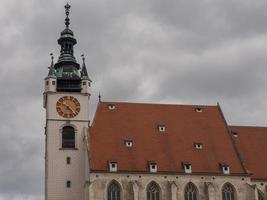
(68, 107)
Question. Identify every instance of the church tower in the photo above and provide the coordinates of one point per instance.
(66, 98)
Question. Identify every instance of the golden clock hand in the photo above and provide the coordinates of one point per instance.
(69, 107)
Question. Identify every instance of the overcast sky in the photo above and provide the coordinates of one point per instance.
(182, 52)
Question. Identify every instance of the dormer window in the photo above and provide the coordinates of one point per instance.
(111, 106)
(152, 166)
(161, 128)
(113, 166)
(234, 134)
(128, 143)
(225, 168)
(198, 109)
(187, 167)
(198, 145)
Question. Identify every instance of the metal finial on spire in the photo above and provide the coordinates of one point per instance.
(83, 59)
(67, 11)
(99, 97)
(52, 60)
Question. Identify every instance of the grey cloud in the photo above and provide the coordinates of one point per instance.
(140, 51)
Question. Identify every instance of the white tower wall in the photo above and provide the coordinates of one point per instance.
(58, 172)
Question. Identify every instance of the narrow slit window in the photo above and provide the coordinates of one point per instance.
(68, 160)
(68, 184)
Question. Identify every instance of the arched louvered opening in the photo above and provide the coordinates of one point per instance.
(153, 191)
(114, 191)
(228, 192)
(190, 192)
(68, 137)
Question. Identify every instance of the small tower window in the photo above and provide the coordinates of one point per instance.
(225, 168)
(198, 109)
(68, 160)
(89, 84)
(113, 166)
(53, 82)
(128, 143)
(111, 106)
(152, 166)
(84, 83)
(47, 82)
(198, 145)
(161, 128)
(187, 167)
(68, 184)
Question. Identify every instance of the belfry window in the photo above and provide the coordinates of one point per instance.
(114, 191)
(228, 192)
(153, 191)
(68, 137)
(190, 192)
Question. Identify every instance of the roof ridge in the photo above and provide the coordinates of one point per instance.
(163, 104)
(234, 145)
(246, 126)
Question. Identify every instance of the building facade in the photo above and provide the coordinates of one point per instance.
(135, 151)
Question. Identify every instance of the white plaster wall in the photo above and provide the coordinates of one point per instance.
(100, 181)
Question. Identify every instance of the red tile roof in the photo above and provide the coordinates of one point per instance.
(252, 144)
(184, 127)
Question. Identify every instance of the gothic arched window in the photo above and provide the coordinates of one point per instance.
(190, 192)
(68, 137)
(153, 191)
(228, 192)
(114, 191)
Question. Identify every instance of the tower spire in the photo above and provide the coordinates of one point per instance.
(52, 60)
(84, 74)
(67, 42)
(52, 71)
